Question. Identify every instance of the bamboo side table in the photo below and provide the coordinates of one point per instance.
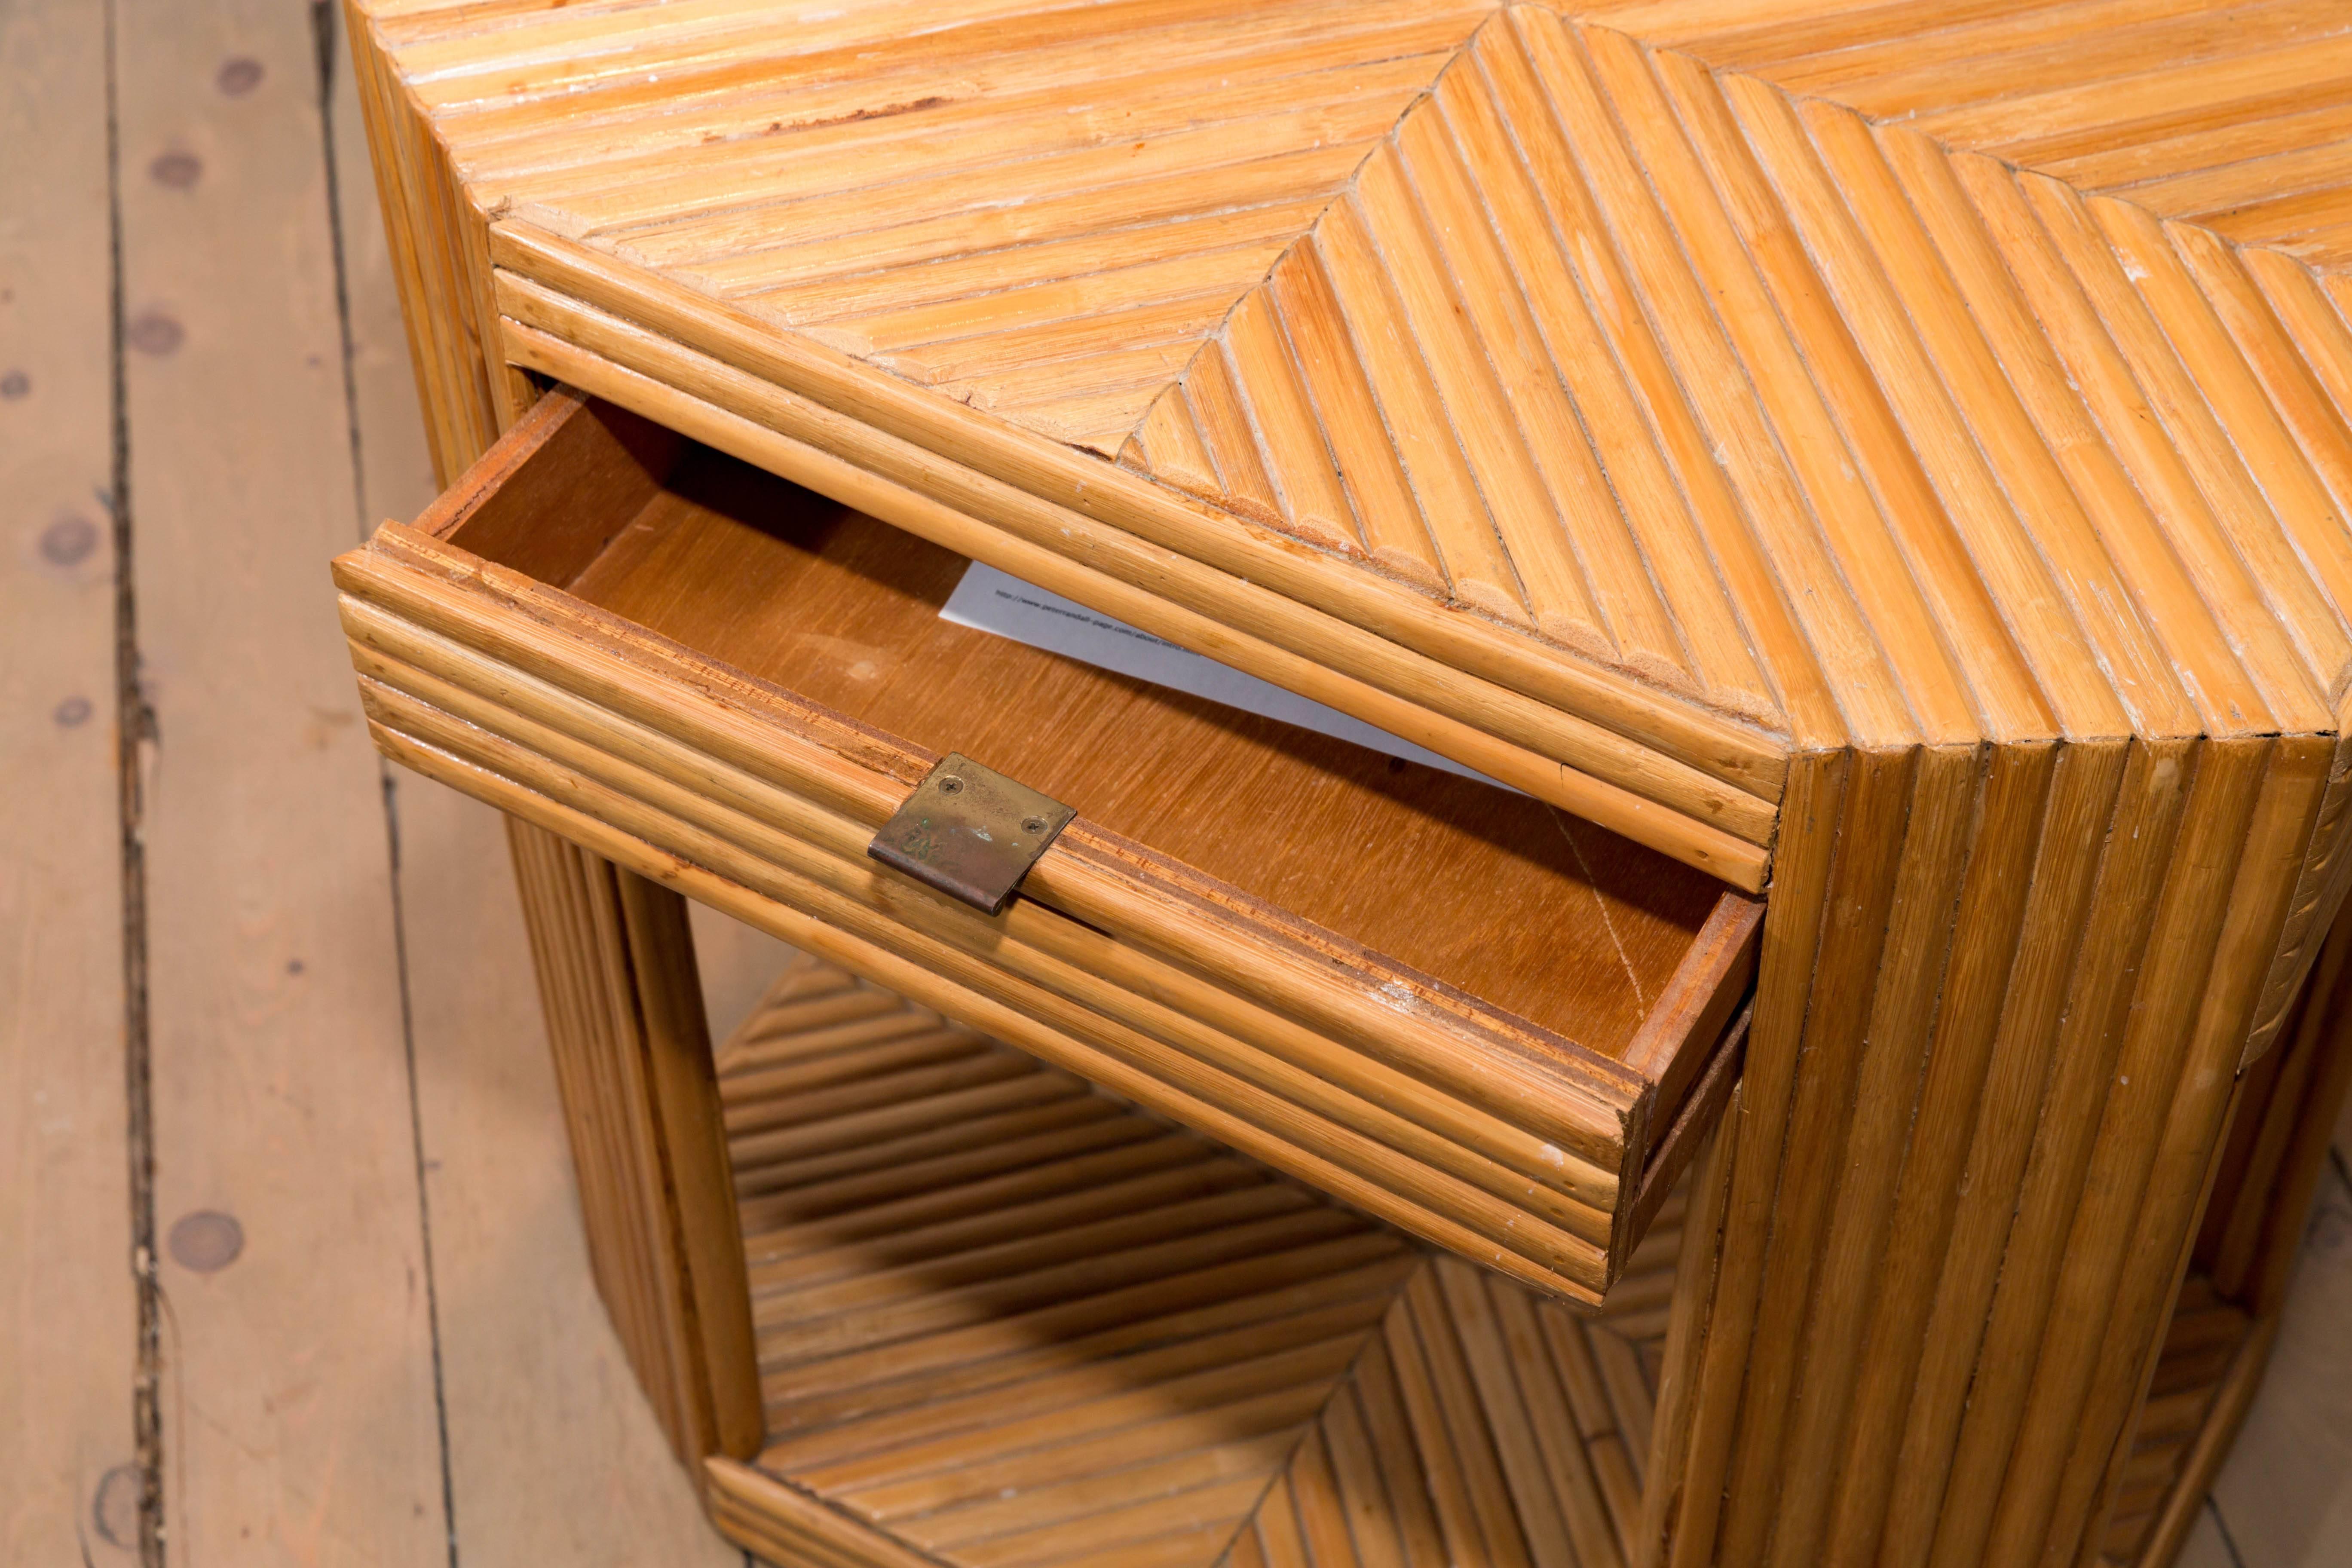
(1875, 478)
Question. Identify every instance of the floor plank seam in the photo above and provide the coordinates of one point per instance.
(2229, 1542)
(325, 36)
(391, 795)
(134, 735)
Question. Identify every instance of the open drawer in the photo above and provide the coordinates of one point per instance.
(1445, 1004)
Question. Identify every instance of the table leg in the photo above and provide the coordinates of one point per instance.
(632, 1049)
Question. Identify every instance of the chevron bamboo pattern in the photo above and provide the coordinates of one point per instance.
(1481, 1427)
(2233, 118)
(1458, 326)
(1004, 1322)
(1453, 269)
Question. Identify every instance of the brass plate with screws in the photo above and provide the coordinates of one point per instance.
(969, 832)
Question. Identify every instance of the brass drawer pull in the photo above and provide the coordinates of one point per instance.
(969, 832)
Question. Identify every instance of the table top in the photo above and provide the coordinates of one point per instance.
(1744, 379)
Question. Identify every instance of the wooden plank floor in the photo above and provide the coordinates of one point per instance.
(67, 1448)
(375, 1337)
(290, 1044)
(2284, 1500)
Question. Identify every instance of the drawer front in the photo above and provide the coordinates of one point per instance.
(1389, 1088)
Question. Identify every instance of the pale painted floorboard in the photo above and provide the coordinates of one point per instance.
(737, 963)
(2206, 1546)
(298, 1412)
(553, 1454)
(2285, 1496)
(69, 1349)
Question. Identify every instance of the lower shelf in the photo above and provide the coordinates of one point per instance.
(1004, 1322)
(2206, 1378)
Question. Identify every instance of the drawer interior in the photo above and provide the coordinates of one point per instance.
(1466, 1013)
(1489, 891)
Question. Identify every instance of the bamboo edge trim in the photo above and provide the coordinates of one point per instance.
(1742, 756)
(1489, 1155)
(1626, 812)
(762, 1514)
(948, 980)
(1316, 1082)
(816, 835)
(1507, 727)
(420, 609)
(2320, 893)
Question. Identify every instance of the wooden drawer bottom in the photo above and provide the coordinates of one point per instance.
(1452, 1007)
(1004, 1319)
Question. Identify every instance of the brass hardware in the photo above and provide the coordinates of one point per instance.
(969, 832)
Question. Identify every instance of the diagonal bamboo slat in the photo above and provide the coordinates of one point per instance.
(1004, 1320)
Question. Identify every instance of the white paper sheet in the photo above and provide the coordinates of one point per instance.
(989, 600)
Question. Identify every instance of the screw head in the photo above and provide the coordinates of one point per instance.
(950, 784)
(1033, 825)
